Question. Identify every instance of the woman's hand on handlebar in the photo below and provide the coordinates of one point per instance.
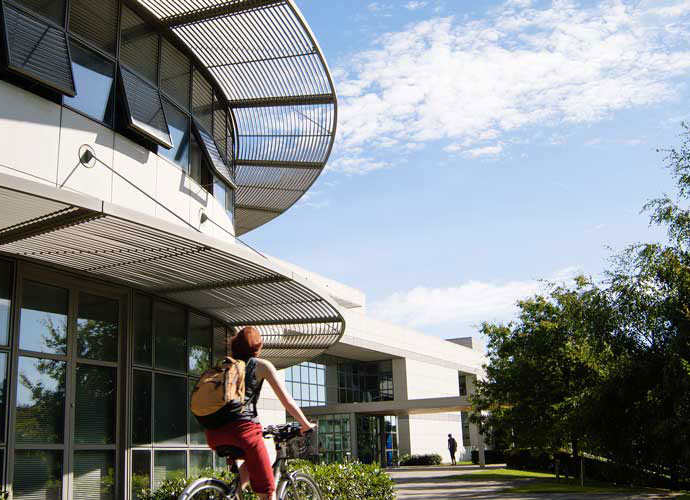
(307, 426)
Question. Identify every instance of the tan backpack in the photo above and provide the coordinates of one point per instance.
(219, 394)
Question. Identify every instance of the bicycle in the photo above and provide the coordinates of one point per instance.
(295, 485)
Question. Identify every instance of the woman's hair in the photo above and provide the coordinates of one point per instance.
(246, 344)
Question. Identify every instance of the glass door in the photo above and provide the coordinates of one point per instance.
(65, 391)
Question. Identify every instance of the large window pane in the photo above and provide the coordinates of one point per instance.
(97, 327)
(95, 21)
(139, 46)
(43, 323)
(170, 416)
(167, 465)
(96, 405)
(199, 460)
(94, 78)
(40, 401)
(141, 407)
(5, 298)
(37, 475)
(94, 475)
(200, 344)
(141, 472)
(143, 323)
(178, 124)
(171, 337)
(3, 395)
(53, 10)
(196, 432)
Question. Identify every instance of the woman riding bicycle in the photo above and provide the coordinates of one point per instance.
(244, 431)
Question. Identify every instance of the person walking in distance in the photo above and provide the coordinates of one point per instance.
(452, 448)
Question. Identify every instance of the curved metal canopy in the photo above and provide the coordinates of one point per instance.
(265, 58)
(233, 284)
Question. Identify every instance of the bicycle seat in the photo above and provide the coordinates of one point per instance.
(230, 451)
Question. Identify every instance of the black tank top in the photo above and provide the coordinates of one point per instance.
(252, 391)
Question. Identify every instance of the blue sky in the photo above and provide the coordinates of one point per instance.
(484, 146)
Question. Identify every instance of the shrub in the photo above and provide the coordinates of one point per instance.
(429, 459)
(490, 456)
(528, 459)
(336, 481)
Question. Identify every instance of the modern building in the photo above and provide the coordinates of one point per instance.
(384, 390)
(138, 139)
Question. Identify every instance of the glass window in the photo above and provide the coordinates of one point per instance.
(176, 73)
(195, 161)
(94, 78)
(96, 404)
(143, 322)
(97, 327)
(171, 337)
(178, 124)
(169, 415)
(196, 432)
(53, 10)
(220, 192)
(139, 46)
(43, 323)
(38, 474)
(141, 472)
(200, 344)
(95, 21)
(141, 407)
(3, 395)
(168, 465)
(5, 296)
(462, 381)
(40, 401)
(199, 460)
(202, 101)
(94, 475)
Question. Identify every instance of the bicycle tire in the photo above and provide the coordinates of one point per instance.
(208, 489)
(305, 485)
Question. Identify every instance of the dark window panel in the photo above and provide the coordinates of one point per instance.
(37, 474)
(170, 416)
(53, 9)
(143, 334)
(196, 432)
(94, 475)
(200, 344)
(141, 473)
(176, 74)
(144, 108)
(96, 22)
(202, 102)
(40, 413)
(220, 116)
(199, 460)
(141, 407)
(139, 46)
(38, 50)
(43, 318)
(5, 301)
(3, 395)
(210, 151)
(178, 124)
(97, 327)
(94, 78)
(96, 405)
(168, 465)
(171, 337)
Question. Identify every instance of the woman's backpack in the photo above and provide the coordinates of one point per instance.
(219, 394)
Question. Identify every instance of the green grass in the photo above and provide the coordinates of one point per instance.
(520, 481)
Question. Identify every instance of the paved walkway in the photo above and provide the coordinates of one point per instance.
(435, 483)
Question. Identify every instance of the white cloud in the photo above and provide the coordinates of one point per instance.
(414, 5)
(469, 302)
(355, 165)
(491, 151)
(468, 82)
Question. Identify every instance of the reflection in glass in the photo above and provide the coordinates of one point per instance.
(171, 337)
(141, 472)
(196, 432)
(43, 320)
(53, 10)
(143, 337)
(141, 407)
(168, 465)
(3, 395)
(37, 474)
(199, 460)
(200, 344)
(96, 402)
(169, 415)
(178, 124)
(40, 401)
(5, 296)
(97, 327)
(94, 79)
(94, 475)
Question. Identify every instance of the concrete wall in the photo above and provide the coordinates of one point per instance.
(429, 434)
(40, 141)
(425, 380)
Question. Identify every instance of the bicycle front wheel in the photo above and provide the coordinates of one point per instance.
(208, 489)
(301, 487)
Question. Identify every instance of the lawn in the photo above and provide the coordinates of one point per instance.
(537, 482)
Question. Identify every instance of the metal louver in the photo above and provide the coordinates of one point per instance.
(213, 156)
(145, 108)
(37, 50)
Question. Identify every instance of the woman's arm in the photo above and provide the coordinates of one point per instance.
(268, 372)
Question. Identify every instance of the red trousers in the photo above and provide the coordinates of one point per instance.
(248, 437)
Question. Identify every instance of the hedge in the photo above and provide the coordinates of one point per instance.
(351, 481)
(430, 459)
(490, 457)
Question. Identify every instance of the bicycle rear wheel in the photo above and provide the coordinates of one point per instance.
(302, 487)
(208, 489)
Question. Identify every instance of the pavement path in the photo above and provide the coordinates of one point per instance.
(437, 483)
